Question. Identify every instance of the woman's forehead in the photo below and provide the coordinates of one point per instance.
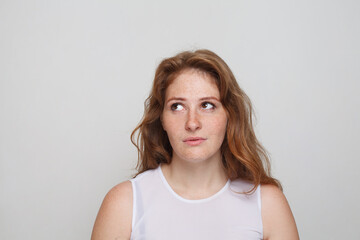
(192, 83)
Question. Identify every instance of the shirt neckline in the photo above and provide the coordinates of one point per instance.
(167, 185)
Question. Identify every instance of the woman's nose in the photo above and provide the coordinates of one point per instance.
(192, 122)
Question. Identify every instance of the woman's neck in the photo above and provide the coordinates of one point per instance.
(195, 180)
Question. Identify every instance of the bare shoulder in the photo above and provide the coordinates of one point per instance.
(115, 215)
(278, 220)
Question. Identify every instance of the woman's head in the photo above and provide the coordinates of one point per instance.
(193, 117)
(242, 154)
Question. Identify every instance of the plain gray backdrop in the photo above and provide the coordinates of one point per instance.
(74, 76)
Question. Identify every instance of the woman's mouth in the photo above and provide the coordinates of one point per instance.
(194, 141)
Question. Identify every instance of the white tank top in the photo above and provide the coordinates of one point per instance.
(160, 213)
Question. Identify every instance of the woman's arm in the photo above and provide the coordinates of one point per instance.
(278, 220)
(115, 215)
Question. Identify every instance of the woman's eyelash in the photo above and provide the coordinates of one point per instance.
(176, 107)
(204, 105)
(208, 105)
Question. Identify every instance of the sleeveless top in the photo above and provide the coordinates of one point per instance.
(160, 213)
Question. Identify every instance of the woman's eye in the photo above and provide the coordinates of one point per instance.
(207, 105)
(176, 107)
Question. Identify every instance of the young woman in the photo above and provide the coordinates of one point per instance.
(202, 174)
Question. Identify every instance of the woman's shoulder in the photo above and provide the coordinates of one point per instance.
(121, 189)
(120, 195)
(271, 192)
(278, 220)
(115, 215)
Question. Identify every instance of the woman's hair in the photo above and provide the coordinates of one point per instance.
(242, 154)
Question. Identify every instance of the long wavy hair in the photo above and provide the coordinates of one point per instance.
(242, 154)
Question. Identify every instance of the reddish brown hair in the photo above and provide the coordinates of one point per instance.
(243, 155)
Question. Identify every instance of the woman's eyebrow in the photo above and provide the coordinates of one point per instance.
(184, 99)
(176, 99)
(209, 98)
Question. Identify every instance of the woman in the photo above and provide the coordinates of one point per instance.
(202, 174)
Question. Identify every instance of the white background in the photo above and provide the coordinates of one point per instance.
(74, 76)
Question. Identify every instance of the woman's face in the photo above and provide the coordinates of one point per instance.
(194, 118)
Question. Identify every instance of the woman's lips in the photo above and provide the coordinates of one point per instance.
(194, 141)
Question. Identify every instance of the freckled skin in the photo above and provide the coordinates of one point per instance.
(193, 109)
